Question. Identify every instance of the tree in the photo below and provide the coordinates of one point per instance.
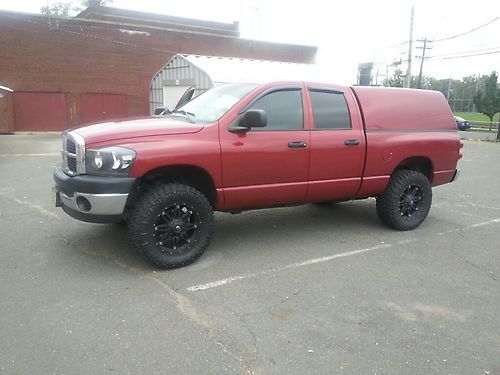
(396, 80)
(487, 99)
(59, 9)
(65, 8)
(96, 3)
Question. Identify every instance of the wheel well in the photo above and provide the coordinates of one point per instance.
(418, 163)
(190, 175)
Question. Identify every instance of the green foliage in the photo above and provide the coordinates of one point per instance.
(475, 117)
(66, 8)
(396, 80)
(96, 3)
(59, 9)
(487, 99)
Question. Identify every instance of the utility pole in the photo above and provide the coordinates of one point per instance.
(423, 48)
(407, 82)
(449, 90)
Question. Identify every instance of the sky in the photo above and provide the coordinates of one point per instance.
(348, 33)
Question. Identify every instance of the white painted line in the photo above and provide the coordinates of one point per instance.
(492, 221)
(483, 224)
(332, 257)
(229, 280)
(28, 155)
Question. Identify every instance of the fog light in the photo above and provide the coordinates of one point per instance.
(83, 204)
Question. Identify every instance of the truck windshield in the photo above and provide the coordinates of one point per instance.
(213, 104)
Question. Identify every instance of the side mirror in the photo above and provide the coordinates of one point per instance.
(161, 111)
(253, 118)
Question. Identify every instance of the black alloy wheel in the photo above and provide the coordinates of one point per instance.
(171, 225)
(405, 203)
(411, 200)
(175, 227)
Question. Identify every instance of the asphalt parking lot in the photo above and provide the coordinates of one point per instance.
(301, 290)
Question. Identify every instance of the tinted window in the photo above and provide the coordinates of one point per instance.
(283, 110)
(330, 110)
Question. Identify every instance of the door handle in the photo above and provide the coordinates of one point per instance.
(351, 142)
(300, 144)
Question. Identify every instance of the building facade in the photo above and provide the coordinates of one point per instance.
(99, 65)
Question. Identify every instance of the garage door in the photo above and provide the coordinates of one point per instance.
(102, 107)
(40, 111)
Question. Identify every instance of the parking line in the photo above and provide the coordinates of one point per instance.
(229, 280)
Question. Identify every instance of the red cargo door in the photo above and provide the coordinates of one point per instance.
(337, 145)
(102, 107)
(269, 165)
(40, 111)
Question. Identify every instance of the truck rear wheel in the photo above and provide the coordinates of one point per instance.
(171, 225)
(405, 203)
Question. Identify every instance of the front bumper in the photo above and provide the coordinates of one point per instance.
(92, 198)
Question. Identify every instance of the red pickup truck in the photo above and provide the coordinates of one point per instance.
(246, 146)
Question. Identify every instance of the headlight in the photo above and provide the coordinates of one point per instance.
(110, 161)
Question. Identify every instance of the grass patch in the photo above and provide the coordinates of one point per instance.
(474, 116)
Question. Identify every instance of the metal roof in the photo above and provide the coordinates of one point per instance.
(237, 70)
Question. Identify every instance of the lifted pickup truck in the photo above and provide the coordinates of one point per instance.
(245, 146)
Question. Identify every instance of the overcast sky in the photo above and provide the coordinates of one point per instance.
(348, 33)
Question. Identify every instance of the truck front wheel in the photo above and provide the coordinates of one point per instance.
(405, 203)
(171, 225)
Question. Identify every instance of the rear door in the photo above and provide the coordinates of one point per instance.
(268, 166)
(337, 144)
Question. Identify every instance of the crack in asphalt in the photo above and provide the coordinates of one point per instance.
(32, 205)
(184, 305)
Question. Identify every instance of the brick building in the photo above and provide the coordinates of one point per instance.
(99, 64)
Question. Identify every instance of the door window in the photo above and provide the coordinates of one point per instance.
(330, 110)
(283, 109)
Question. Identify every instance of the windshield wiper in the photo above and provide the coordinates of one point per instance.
(190, 116)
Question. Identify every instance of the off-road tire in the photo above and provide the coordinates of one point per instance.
(405, 203)
(171, 225)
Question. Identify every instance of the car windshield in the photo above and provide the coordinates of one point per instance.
(459, 118)
(213, 104)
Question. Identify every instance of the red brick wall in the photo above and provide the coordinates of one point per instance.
(77, 57)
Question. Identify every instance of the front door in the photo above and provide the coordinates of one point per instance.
(269, 165)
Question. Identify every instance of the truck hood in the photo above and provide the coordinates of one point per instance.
(139, 127)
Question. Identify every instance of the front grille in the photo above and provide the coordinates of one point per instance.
(71, 146)
(73, 154)
(72, 163)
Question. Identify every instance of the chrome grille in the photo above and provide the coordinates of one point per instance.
(72, 163)
(73, 154)
(71, 146)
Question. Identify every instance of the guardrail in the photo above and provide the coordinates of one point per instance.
(484, 125)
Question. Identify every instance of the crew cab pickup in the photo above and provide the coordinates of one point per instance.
(245, 146)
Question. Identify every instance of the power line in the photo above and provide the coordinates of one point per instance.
(467, 32)
(442, 39)
(450, 54)
(464, 56)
